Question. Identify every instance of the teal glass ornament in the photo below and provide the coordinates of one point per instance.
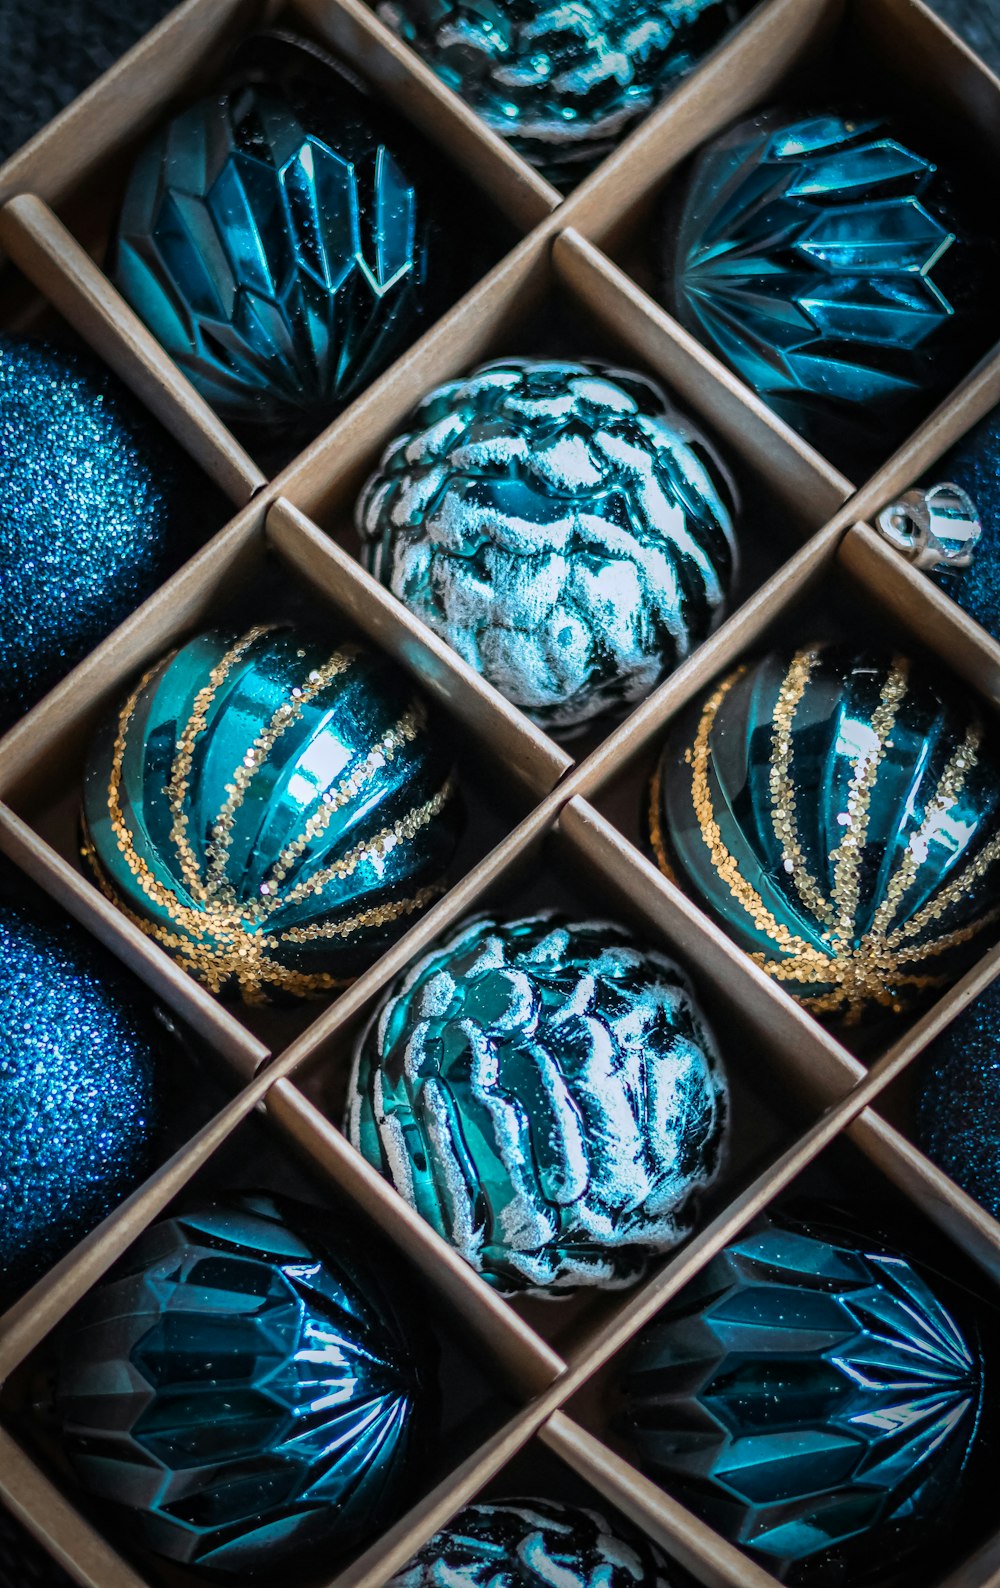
(837, 812)
(248, 1390)
(536, 1544)
(813, 1397)
(561, 526)
(284, 240)
(562, 83)
(548, 1096)
(272, 810)
(956, 1100)
(833, 266)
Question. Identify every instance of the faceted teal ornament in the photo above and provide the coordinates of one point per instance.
(271, 809)
(82, 1061)
(548, 1096)
(810, 1396)
(839, 815)
(831, 264)
(247, 1389)
(284, 240)
(561, 526)
(563, 83)
(956, 1100)
(536, 1544)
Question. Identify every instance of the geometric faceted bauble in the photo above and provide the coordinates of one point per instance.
(812, 1397)
(829, 261)
(563, 84)
(837, 812)
(247, 1389)
(547, 1095)
(561, 527)
(284, 240)
(535, 1544)
(272, 809)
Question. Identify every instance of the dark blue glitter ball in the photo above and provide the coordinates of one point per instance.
(78, 1110)
(957, 1106)
(97, 506)
(974, 464)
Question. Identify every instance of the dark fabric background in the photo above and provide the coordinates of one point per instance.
(51, 49)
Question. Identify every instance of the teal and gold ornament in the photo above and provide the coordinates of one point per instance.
(272, 809)
(548, 1095)
(284, 239)
(838, 812)
(566, 531)
(836, 266)
(562, 83)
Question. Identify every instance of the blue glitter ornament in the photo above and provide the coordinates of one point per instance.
(563, 83)
(97, 507)
(831, 265)
(561, 527)
(79, 1056)
(535, 1544)
(284, 240)
(272, 810)
(248, 1390)
(812, 1398)
(840, 816)
(956, 1116)
(547, 1095)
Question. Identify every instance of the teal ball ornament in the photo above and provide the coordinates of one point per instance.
(272, 809)
(836, 267)
(838, 812)
(548, 1095)
(561, 526)
(284, 239)
(97, 507)
(82, 1057)
(249, 1389)
(816, 1398)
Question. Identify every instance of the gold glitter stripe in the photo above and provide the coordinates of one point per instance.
(941, 945)
(656, 839)
(936, 907)
(783, 803)
(848, 856)
(376, 915)
(403, 732)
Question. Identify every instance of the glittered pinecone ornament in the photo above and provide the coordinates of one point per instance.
(838, 815)
(562, 83)
(284, 240)
(812, 1397)
(833, 265)
(548, 1096)
(566, 532)
(535, 1544)
(271, 809)
(247, 1389)
(97, 507)
(956, 1108)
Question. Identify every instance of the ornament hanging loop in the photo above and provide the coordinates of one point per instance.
(935, 529)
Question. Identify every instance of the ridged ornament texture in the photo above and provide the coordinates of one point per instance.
(548, 1096)
(811, 1397)
(247, 1389)
(566, 532)
(838, 812)
(272, 809)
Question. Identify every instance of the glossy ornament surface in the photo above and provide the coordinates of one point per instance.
(562, 83)
(974, 466)
(830, 263)
(284, 240)
(810, 1395)
(535, 1544)
(272, 809)
(247, 1388)
(548, 1096)
(80, 1052)
(97, 507)
(566, 532)
(956, 1112)
(838, 812)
